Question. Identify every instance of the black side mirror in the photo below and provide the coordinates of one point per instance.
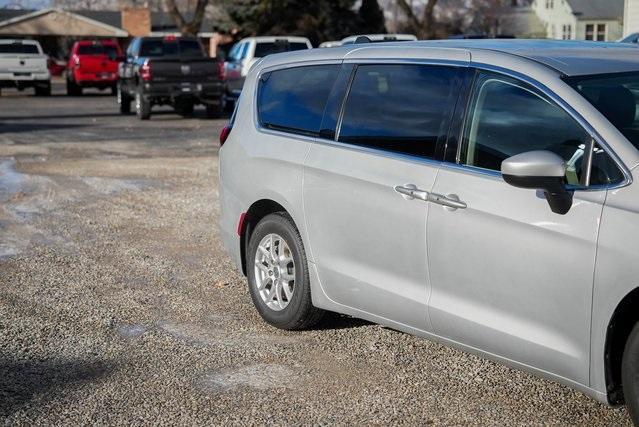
(541, 170)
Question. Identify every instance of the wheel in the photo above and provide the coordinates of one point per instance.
(278, 274)
(630, 374)
(185, 108)
(124, 101)
(114, 89)
(142, 106)
(43, 90)
(214, 111)
(73, 89)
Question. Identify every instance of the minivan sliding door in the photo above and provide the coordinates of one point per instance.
(363, 187)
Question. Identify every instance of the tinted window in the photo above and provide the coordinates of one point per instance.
(293, 99)
(98, 49)
(400, 108)
(19, 48)
(508, 117)
(263, 49)
(163, 47)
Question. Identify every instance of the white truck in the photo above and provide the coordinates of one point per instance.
(23, 65)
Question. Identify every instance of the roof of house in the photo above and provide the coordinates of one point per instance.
(597, 9)
(160, 21)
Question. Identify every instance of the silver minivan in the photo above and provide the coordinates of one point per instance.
(477, 193)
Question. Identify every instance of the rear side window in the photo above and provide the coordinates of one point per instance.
(399, 108)
(293, 99)
(263, 49)
(18, 48)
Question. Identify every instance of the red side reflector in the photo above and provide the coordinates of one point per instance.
(240, 224)
(225, 134)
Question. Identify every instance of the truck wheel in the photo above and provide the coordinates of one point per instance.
(43, 90)
(142, 106)
(124, 101)
(630, 374)
(214, 111)
(114, 89)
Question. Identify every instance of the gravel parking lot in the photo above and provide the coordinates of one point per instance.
(119, 306)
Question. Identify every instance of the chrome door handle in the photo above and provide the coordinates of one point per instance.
(412, 192)
(450, 201)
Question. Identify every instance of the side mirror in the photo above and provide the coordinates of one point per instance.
(541, 170)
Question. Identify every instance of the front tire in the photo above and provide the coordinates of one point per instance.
(278, 275)
(142, 106)
(124, 101)
(214, 111)
(630, 374)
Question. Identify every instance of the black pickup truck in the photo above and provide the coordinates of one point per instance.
(169, 71)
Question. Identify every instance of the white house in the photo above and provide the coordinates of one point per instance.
(630, 17)
(599, 20)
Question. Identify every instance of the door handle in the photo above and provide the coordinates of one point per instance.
(412, 192)
(451, 201)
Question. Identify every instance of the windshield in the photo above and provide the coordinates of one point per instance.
(267, 48)
(163, 47)
(18, 48)
(98, 49)
(616, 97)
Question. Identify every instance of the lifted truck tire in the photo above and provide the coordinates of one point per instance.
(124, 101)
(44, 90)
(142, 106)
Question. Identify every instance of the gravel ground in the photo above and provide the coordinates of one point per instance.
(119, 306)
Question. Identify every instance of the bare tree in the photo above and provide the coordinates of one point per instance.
(192, 27)
(424, 25)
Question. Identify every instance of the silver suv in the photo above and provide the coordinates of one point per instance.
(476, 193)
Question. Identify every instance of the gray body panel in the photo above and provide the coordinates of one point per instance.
(522, 285)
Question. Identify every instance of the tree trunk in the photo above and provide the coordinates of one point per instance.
(424, 28)
(187, 28)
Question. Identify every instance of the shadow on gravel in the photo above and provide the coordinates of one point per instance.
(59, 116)
(339, 321)
(21, 382)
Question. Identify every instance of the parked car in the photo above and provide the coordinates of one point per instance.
(24, 65)
(247, 51)
(630, 38)
(170, 71)
(332, 43)
(56, 66)
(479, 193)
(379, 38)
(93, 64)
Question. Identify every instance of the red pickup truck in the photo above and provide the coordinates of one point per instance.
(93, 64)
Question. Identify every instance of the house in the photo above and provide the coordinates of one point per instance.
(630, 17)
(57, 28)
(598, 20)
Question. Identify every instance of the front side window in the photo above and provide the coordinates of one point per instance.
(399, 108)
(508, 117)
(293, 99)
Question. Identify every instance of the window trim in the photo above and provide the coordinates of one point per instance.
(561, 104)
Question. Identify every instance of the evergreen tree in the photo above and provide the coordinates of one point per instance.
(371, 18)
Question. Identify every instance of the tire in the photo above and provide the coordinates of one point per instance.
(124, 101)
(214, 111)
(298, 311)
(73, 89)
(114, 89)
(43, 90)
(142, 106)
(630, 374)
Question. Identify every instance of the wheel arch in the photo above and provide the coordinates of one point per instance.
(624, 318)
(254, 215)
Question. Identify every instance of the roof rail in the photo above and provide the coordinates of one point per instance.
(362, 40)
